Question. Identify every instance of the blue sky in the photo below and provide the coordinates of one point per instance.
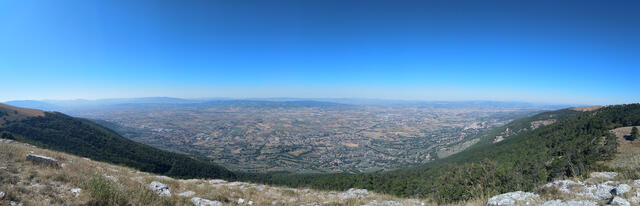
(578, 52)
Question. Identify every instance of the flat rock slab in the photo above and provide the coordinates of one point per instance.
(49, 161)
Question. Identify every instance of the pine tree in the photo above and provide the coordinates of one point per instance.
(634, 133)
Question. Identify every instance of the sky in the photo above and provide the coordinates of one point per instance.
(570, 52)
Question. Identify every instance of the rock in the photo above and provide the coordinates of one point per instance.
(160, 189)
(513, 198)
(42, 160)
(15, 203)
(187, 194)
(570, 203)
(603, 191)
(353, 193)
(216, 181)
(618, 201)
(240, 201)
(621, 189)
(204, 202)
(76, 192)
(250, 202)
(636, 182)
(603, 175)
(1, 195)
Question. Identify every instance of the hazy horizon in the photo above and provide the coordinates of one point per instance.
(539, 51)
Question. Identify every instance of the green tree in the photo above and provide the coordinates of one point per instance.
(634, 133)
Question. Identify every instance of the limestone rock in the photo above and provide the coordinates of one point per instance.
(618, 201)
(514, 198)
(204, 202)
(160, 189)
(187, 194)
(216, 181)
(621, 189)
(570, 203)
(1, 195)
(76, 192)
(42, 160)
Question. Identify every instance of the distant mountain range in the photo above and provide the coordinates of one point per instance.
(78, 104)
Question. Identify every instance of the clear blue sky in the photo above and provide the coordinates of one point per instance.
(580, 52)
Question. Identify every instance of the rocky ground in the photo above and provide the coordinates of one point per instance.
(601, 188)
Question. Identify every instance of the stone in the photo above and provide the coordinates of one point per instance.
(513, 198)
(250, 202)
(216, 181)
(353, 193)
(76, 192)
(1, 195)
(621, 189)
(160, 189)
(603, 175)
(42, 160)
(570, 203)
(187, 194)
(204, 202)
(618, 201)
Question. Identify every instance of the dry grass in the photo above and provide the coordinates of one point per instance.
(105, 184)
(628, 152)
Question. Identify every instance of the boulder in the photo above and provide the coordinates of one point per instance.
(42, 160)
(204, 202)
(514, 198)
(240, 201)
(187, 194)
(216, 181)
(570, 203)
(353, 193)
(621, 189)
(160, 189)
(618, 201)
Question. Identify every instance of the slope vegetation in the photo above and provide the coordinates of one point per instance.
(569, 147)
(84, 138)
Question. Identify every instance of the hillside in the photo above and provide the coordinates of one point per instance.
(569, 147)
(81, 181)
(84, 138)
(10, 113)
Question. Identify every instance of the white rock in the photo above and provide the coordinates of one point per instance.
(603, 191)
(250, 202)
(636, 182)
(240, 201)
(216, 181)
(353, 193)
(76, 191)
(42, 160)
(603, 175)
(570, 203)
(160, 189)
(204, 202)
(621, 189)
(1, 195)
(618, 201)
(513, 198)
(187, 194)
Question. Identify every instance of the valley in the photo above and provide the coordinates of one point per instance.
(308, 136)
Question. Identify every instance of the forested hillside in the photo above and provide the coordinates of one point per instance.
(84, 138)
(569, 147)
